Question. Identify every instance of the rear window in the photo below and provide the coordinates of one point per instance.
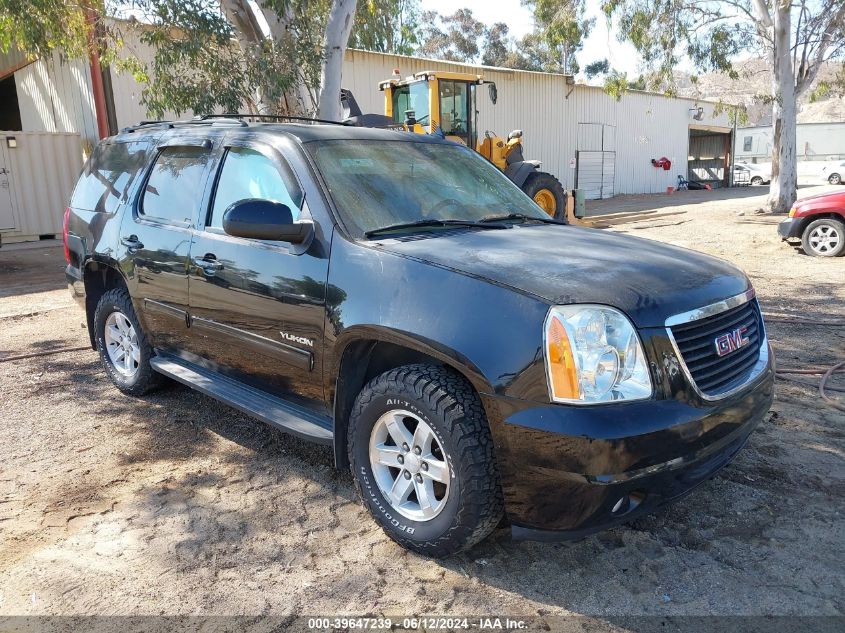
(108, 175)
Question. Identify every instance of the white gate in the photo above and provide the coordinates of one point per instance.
(595, 173)
(595, 160)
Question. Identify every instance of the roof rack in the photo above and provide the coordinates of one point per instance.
(195, 121)
(233, 119)
(273, 117)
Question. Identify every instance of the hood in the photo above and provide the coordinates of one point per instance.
(833, 197)
(647, 280)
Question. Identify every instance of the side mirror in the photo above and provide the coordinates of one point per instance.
(494, 92)
(264, 220)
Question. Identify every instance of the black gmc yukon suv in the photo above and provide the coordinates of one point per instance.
(395, 296)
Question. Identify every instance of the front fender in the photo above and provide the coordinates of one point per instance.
(489, 332)
(518, 172)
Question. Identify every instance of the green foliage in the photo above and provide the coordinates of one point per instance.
(560, 26)
(665, 31)
(600, 67)
(454, 37)
(831, 87)
(736, 113)
(38, 27)
(202, 63)
(386, 26)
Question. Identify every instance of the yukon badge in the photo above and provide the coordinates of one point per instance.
(731, 341)
(297, 339)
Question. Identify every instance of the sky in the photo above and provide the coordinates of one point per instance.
(599, 45)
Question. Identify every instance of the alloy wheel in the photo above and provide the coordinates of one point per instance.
(824, 238)
(409, 465)
(122, 346)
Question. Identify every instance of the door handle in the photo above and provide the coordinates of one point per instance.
(132, 243)
(208, 263)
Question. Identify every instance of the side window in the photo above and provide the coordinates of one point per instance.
(108, 175)
(746, 144)
(174, 187)
(247, 174)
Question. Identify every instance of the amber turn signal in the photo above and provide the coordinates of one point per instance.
(563, 373)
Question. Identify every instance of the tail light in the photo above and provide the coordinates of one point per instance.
(64, 234)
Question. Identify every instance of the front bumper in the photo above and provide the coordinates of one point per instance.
(570, 471)
(790, 229)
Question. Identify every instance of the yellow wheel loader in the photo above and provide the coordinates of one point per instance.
(444, 103)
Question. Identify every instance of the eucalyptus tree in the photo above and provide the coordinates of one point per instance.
(796, 37)
(268, 56)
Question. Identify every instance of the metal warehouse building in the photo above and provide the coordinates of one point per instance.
(50, 119)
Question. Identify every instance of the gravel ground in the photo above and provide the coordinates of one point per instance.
(175, 504)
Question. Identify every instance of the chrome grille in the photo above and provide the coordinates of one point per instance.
(716, 376)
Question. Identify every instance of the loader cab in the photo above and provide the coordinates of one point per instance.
(437, 99)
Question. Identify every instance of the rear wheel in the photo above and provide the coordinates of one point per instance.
(422, 457)
(756, 180)
(548, 193)
(124, 350)
(834, 179)
(824, 238)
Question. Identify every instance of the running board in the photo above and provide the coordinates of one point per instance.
(258, 404)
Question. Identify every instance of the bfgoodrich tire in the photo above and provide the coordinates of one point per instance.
(124, 350)
(824, 238)
(422, 456)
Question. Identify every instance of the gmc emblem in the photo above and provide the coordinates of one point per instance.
(732, 341)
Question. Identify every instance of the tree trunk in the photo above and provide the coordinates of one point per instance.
(782, 192)
(338, 28)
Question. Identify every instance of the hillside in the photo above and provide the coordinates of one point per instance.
(754, 81)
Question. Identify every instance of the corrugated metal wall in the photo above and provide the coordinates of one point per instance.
(55, 95)
(43, 170)
(549, 111)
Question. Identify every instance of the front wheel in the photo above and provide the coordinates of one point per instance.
(834, 179)
(548, 193)
(422, 457)
(824, 238)
(756, 180)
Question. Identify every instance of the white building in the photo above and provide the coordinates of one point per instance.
(586, 138)
(815, 142)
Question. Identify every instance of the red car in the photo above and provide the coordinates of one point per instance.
(819, 223)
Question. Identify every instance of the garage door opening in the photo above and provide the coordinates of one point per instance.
(10, 113)
(709, 157)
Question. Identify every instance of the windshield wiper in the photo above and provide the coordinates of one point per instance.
(433, 223)
(520, 216)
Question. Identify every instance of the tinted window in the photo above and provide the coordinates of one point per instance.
(174, 187)
(249, 174)
(107, 176)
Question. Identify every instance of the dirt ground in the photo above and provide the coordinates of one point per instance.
(176, 504)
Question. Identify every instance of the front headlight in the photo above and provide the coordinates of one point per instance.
(593, 354)
(792, 212)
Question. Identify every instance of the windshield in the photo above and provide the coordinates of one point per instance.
(376, 184)
(411, 97)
